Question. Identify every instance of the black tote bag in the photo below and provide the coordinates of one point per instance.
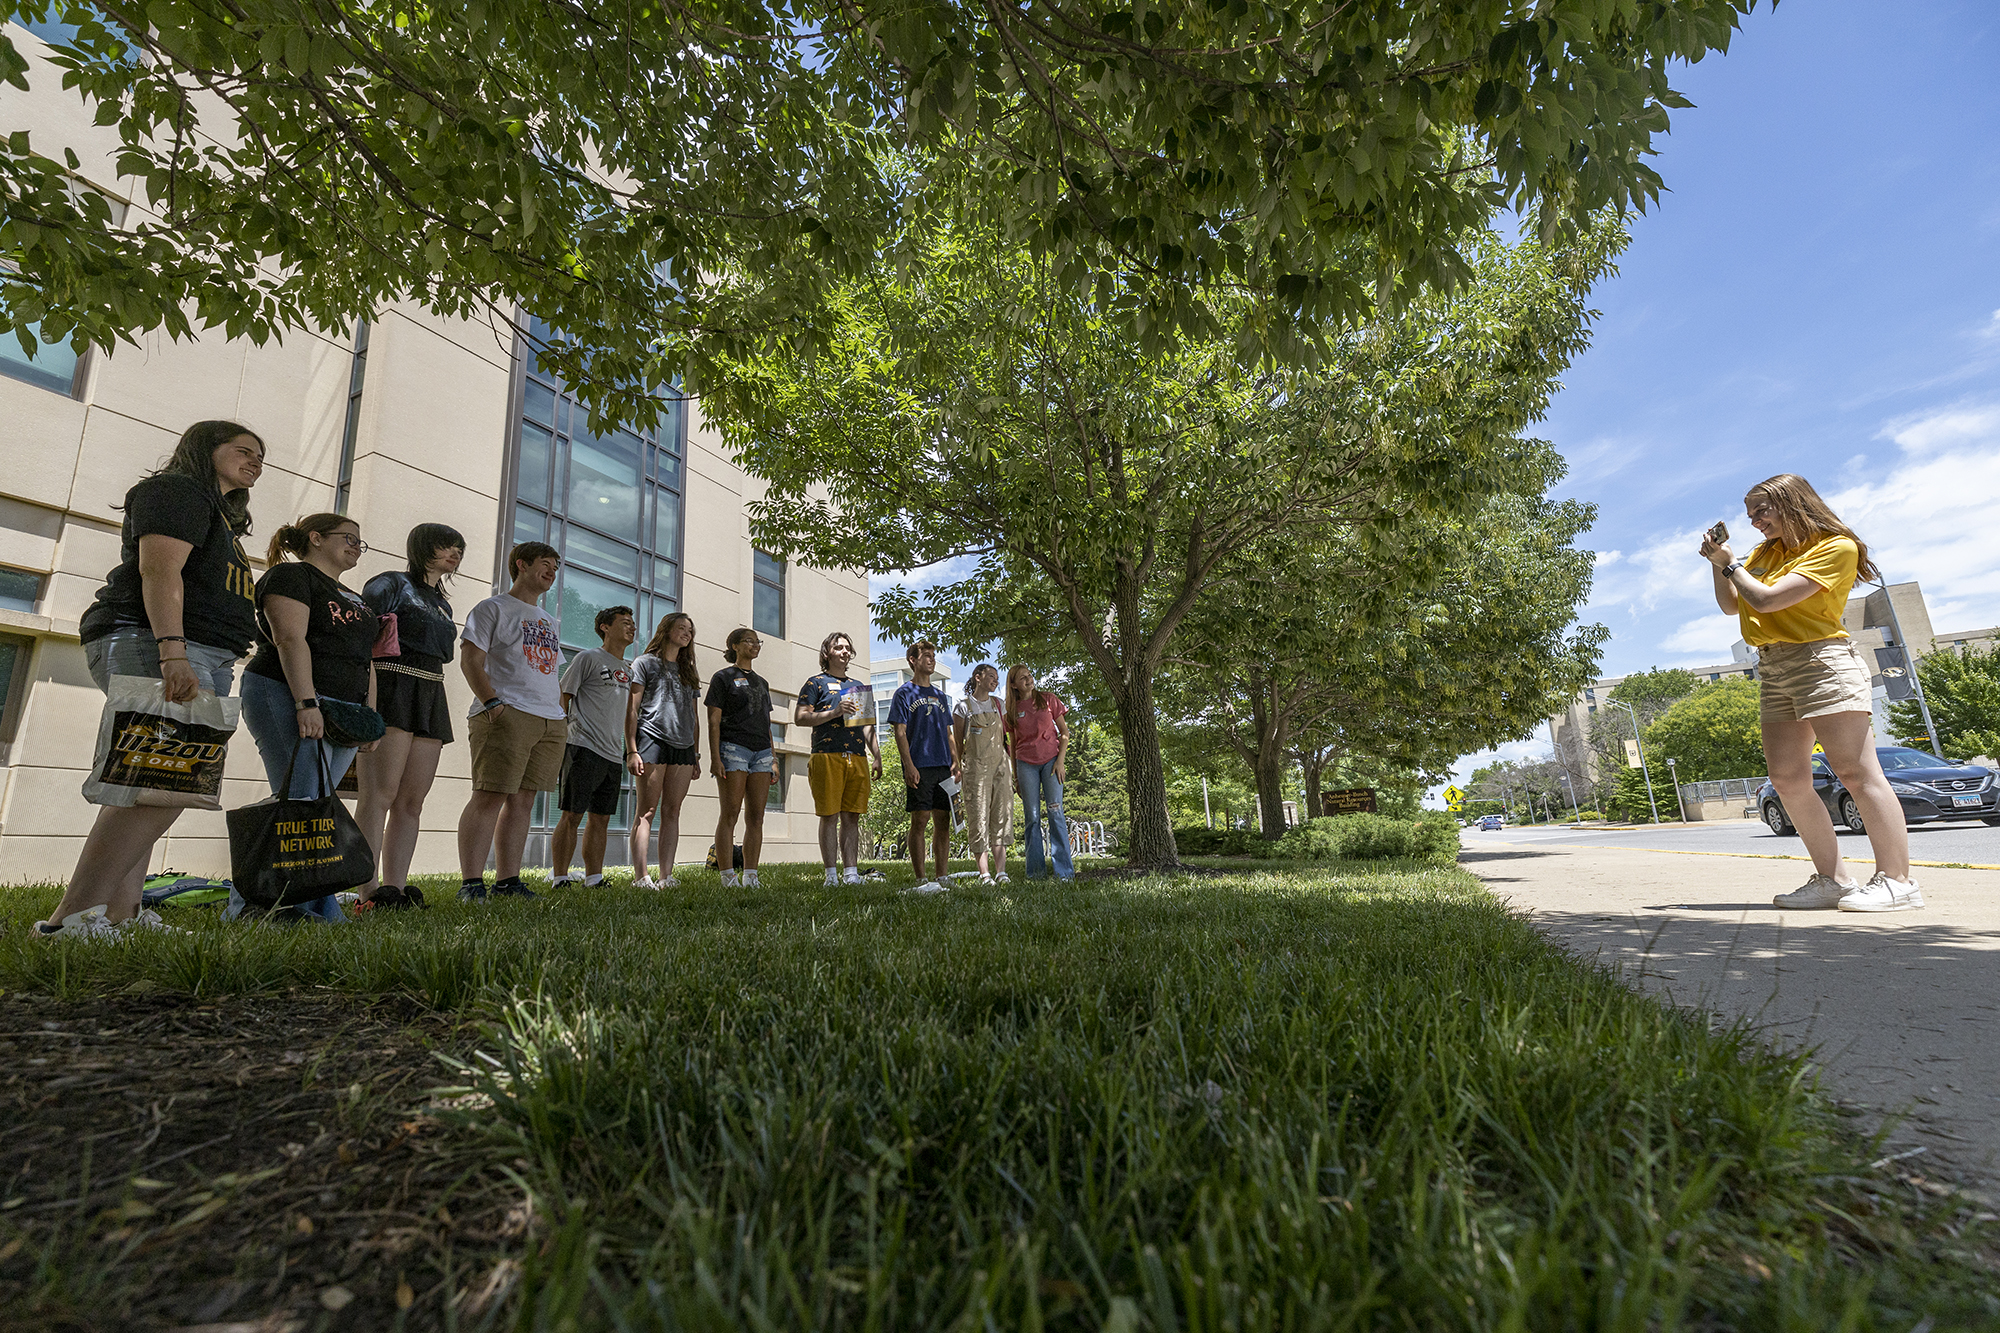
(283, 852)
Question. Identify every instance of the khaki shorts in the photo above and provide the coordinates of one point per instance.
(513, 751)
(1797, 681)
(839, 783)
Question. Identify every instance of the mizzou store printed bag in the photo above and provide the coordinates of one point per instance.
(283, 852)
(151, 752)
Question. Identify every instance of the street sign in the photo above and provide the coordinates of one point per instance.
(1632, 755)
(1453, 797)
(1349, 801)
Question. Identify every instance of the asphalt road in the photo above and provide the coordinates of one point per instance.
(1964, 842)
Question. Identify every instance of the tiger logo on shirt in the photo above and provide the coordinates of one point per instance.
(540, 646)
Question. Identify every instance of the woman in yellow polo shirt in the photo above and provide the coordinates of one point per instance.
(1814, 686)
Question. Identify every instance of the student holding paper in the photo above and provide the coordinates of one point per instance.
(841, 713)
(921, 716)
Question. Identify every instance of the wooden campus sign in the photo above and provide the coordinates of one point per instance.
(1352, 800)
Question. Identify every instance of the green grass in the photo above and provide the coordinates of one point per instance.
(1308, 1098)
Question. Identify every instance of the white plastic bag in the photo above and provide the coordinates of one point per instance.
(151, 752)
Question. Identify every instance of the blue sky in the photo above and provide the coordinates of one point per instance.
(1819, 292)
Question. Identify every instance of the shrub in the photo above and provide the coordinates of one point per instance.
(1432, 836)
(1198, 840)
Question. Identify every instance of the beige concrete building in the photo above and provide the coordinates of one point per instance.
(413, 419)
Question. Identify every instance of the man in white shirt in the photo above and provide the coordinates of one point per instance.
(595, 689)
(509, 653)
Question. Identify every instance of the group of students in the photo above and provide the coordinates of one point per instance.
(328, 687)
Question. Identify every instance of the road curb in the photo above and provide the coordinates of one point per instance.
(1762, 856)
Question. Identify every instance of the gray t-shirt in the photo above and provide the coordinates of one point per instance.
(601, 683)
(668, 707)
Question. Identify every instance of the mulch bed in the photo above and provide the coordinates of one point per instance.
(250, 1163)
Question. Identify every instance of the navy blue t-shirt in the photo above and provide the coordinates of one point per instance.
(926, 713)
(837, 737)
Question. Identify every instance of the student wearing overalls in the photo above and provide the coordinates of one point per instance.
(989, 774)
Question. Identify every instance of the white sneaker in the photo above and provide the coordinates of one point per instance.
(750, 879)
(832, 876)
(593, 881)
(928, 886)
(648, 882)
(89, 924)
(851, 876)
(148, 920)
(1821, 891)
(1883, 894)
(729, 879)
(563, 879)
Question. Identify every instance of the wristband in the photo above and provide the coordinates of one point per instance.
(308, 703)
(170, 638)
(1731, 568)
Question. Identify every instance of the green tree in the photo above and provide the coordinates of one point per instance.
(1095, 788)
(599, 163)
(1651, 694)
(1963, 689)
(971, 405)
(887, 822)
(1711, 734)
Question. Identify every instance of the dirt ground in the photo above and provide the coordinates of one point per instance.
(258, 1163)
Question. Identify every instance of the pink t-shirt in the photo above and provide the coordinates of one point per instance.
(1035, 739)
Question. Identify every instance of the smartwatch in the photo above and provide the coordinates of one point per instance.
(1731, 568)
(308, 703)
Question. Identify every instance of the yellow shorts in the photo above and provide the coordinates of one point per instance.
(839, 783)
(513, 751)
(1798, 681)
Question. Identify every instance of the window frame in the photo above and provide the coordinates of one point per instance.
(14, 691)
(357, 375)
(757, 580)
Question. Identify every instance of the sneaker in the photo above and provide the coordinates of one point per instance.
(474, 891)
(513, 888)
(729, 879)
(750, 879)
(832, 877)
(648, 882)
(565, 878)
(1883, 894)
(593, 881)
(89, 924)
(850, 876)
(1819, 892)
(148, 920)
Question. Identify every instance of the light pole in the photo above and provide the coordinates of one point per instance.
(1910, 665)
(1642, 757)
(1576, 811)
(1675, 773)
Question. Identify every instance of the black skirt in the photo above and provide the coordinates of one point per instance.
(409, 694)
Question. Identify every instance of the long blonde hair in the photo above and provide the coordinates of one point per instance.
(1804, 518)
(683, 657)
(1039, 698)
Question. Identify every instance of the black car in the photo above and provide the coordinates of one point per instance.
(1930, 788)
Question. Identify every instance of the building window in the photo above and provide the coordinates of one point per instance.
(767, 614)
(610, 501)
(1715, 675)
(52, 366)
(775, 798)
(1593, 708)
(343, 488)
(15, 652)
(20, 590)
(1590, 694)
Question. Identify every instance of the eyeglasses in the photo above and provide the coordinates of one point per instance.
(355, 542)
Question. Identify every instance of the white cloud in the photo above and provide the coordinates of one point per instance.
(1609, 558)
(1927, 432)
(1709, 636)
(1665, 571)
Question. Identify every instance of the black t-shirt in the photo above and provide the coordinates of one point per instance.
(216, 590)
(424, 627)
(340, 631)
(837, 737)
(745, 700)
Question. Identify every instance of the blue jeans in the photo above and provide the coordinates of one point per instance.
(132, 652)
(1039, 781)
(273, 718)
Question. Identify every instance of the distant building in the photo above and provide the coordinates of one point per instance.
(1869, 623)
(885, 678)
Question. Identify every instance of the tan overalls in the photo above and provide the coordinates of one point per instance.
(989, 792)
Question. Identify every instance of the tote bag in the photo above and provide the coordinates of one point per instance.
(151, 752)
(283, 852)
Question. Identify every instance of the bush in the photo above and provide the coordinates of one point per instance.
(1432, 836)
(1199, 840)
(1589, 814)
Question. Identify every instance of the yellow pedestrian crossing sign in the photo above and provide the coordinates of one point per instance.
(1454, 799)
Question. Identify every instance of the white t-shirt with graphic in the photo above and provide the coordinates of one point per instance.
(522, 651)
(599, 685)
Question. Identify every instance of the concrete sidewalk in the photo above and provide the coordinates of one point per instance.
(1903, 1006)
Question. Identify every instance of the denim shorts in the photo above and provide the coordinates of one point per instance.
(737, 759)
(132, 652)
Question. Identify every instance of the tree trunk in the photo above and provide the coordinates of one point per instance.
(1312, 763)
(1152, 840)
(1271, 784)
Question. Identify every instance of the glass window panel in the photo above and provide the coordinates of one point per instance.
(775, 798)
(666, 523)
(770, 568)
(537, 448)
(602, 554)
(52, 367)
(13, 657)
(538, 402)
(530, 525)
(768, 611)
(604, 484)
(19, 590)
(668, 432)
(663, 578)
(583, 595)
(670, 469)
(626, 442)
(562, 416)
